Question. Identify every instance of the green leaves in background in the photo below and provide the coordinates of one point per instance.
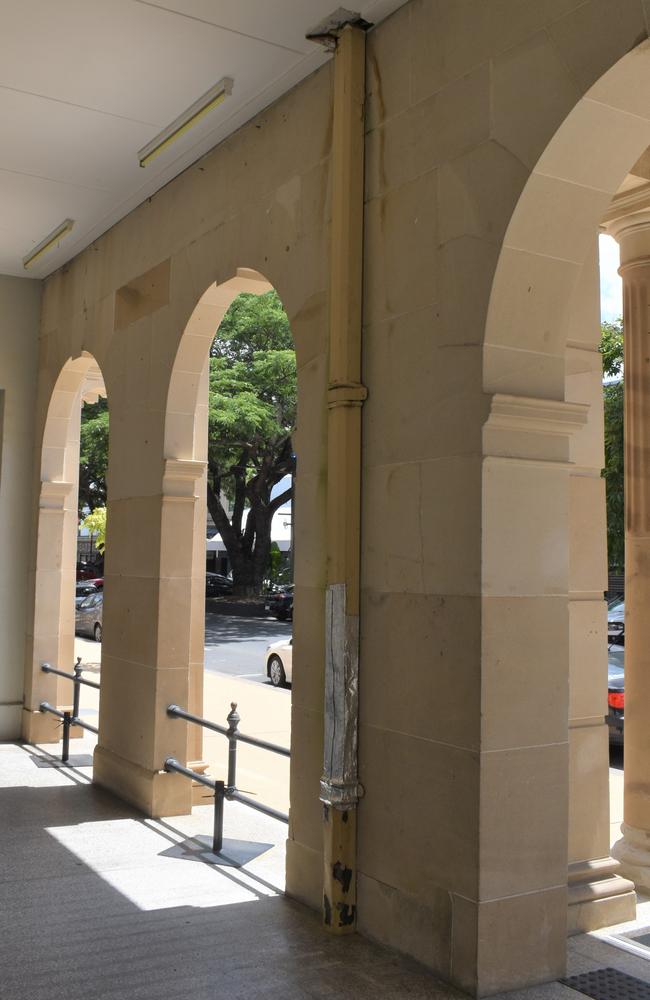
(611, 349)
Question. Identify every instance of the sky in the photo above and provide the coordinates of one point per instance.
(611, 293)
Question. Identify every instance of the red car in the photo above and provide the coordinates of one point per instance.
(89, 571)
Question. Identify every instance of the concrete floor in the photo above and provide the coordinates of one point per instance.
(98, 903)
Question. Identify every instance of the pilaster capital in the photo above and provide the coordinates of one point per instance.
(628, 211)
(628, 221)
(638, 264)
(532, 429)
(54, 495)
(181, 477)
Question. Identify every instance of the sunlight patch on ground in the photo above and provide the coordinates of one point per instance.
(157, 866)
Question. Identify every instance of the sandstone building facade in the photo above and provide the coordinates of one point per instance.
(464, 191)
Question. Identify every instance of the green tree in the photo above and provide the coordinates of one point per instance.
(93, 455)
(252, 416)
(95, 523)
(252, 413)
(611, 349)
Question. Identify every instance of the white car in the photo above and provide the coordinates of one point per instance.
(278, 662)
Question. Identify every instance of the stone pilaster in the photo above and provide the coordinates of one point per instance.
(597, 894)
(537, 568)
(52, 638)
(184, 484)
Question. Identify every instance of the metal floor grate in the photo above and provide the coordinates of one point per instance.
(609, 984)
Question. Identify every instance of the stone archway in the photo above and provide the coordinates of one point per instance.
(51, 637)
(544, 558)
(184, 479)
(183, 530)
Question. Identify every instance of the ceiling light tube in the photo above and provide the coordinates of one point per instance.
(50, 241)
(211, 99)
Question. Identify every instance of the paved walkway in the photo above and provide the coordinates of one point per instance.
(98, 903)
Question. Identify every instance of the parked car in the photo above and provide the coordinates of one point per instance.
(616, 695)
(279, 657)
(83, 589)
(89, 570)
(616, 622)
(280, 603)
(216, 584)
(89, 616)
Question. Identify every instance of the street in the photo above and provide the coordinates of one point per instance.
(234, 672)
(235, 646)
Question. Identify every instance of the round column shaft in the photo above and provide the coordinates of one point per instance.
(633, 850)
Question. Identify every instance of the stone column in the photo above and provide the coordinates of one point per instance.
(633, 850)
(51, 635)
(147, 630)
(598, 896)
(52, 632)
(182, 549)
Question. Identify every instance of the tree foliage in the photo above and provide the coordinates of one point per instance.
(93, 455)
(95, 523)
(252, 415)
(611, 349)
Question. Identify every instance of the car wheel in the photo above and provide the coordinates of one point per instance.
(276, 672)
(281, 615)
(97, 632)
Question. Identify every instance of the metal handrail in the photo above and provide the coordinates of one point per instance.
(227, 790)
(74, 719)
(171, 764)
(267, 810)
(221, 789)
(47, 669)
(180, 713)
(69, 718)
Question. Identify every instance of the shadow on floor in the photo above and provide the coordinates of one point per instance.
(229, 629)
(94, 906)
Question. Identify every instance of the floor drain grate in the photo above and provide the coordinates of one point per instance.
(609, 984)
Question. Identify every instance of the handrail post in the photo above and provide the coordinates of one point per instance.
(65, 752)
(77, 688)
(233, 719)
(217, 832)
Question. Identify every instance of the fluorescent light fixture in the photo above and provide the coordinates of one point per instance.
(50, 241)
(211, 99)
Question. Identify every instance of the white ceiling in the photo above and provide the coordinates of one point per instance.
(84, 84)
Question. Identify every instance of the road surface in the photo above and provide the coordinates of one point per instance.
(236, 646)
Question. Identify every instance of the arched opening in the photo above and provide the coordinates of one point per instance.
(52, 637)
(234, 628)
(543, 492)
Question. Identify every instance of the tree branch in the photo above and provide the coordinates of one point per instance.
(281, 499)
(220, 518)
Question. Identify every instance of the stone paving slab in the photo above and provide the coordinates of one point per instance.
(99, 903)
